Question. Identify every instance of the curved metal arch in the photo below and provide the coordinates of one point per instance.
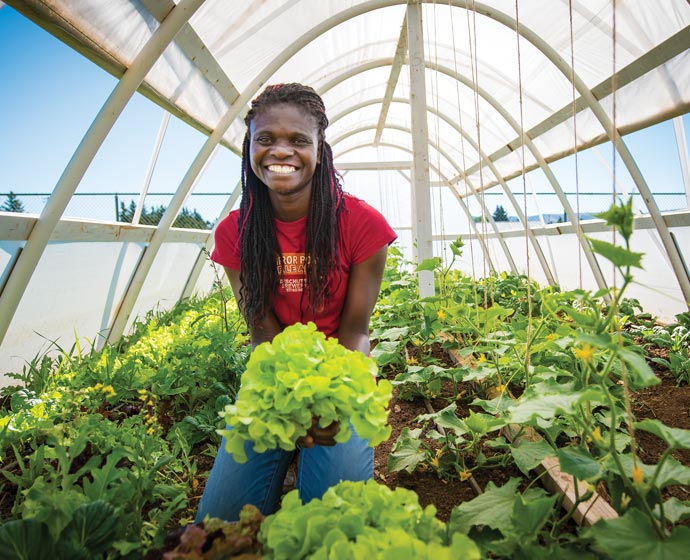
(486, 158)
(481, 238)
(589, 255)
(552, 55)
(249, 92)
(441, 151)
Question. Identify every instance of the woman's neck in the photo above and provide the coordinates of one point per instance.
(291, 207)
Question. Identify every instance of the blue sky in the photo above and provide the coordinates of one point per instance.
(49, 98)
(51, 94)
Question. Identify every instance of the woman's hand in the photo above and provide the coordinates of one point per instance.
(316, 435)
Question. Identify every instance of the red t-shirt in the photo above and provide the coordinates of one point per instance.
(363, 231)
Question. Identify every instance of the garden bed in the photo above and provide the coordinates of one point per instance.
(667, 402)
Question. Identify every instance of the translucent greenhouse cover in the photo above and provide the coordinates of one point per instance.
(510, 87)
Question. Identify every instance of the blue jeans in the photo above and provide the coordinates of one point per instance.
(259, 481)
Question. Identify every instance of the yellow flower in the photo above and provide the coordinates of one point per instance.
(596, 434)
(411, 360)
(98, 386)
(377, 313)
(497, 391)
(142, 391)
(551, 336)
(464, 475)
(482, 358)
(416, 342)
(151, 431)
(434, 462)
(637, 474)
(441, 315)
(586, 353)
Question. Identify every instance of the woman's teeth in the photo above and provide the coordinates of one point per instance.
(281, 168)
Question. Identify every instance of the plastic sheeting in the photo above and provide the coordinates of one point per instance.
(509, 85)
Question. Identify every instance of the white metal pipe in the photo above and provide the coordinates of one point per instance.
(130, 296)
(421, 194)
(683, 156)
(470, 220)
(152, 165)
(188, 290)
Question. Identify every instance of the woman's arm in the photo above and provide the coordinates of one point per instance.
(266, 328)
(362, 291)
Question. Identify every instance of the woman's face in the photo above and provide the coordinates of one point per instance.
(284, 148)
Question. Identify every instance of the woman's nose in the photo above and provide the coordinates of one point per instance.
(282, 150)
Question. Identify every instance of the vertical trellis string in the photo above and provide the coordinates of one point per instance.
(472, 38)
(614, 138)
(462, 144)
(524, 197)
(434, 97)
(574, 106)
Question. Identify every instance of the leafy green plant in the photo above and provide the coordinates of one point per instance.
(360, 520)
(91, 530)
(302, 375)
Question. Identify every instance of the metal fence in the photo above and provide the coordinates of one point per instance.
(202, 210)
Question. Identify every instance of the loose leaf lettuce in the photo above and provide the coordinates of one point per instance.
(300, 375)
(360, 520)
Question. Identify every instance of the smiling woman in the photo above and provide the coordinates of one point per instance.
(285, 143)
(298, 250)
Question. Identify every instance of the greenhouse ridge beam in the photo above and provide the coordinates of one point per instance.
(421, 205)
(396, 67)
(40, 235)
(192, 45)
(446, 183)
(521, 217)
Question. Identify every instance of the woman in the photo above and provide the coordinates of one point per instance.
(298, 249)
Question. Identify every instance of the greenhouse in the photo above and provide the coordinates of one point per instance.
(475, 271)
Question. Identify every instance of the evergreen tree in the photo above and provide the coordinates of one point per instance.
(12, 204)
(500, 215)
(185, 219)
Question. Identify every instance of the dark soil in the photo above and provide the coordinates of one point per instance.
(670, 404)
(666, 402)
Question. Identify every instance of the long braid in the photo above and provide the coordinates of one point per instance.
(258, 242)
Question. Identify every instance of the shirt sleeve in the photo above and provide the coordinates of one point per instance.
(226, 251)
(367, 229)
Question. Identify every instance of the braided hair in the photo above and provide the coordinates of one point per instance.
(259, 250)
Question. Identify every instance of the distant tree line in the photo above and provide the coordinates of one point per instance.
(12, 204)
(151, 217)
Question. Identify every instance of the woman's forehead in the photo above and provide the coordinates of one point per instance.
(284, 115)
